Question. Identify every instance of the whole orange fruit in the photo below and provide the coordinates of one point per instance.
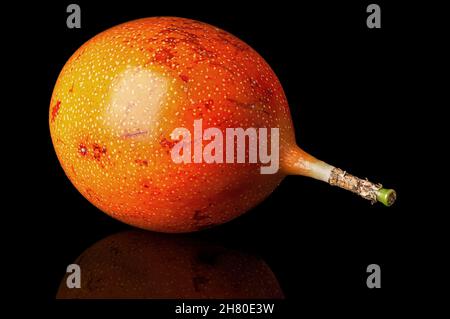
(122, 94)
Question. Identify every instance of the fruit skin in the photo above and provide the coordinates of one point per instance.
(138, 264)
(123, 92)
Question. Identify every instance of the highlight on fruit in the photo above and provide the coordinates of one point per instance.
(122, 98)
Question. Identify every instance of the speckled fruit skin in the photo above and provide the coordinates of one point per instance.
(123, 92)
(138, 264)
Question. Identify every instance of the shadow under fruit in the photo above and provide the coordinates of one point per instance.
(123, 92)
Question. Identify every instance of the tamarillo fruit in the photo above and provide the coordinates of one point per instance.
(123, 93)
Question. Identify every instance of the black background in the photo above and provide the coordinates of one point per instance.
(349, 89)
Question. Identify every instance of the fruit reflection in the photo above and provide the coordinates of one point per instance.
(138, 264)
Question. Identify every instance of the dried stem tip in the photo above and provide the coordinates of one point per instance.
(362, 187)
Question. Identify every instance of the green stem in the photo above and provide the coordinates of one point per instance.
(386, 196)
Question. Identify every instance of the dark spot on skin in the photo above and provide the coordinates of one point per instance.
(99, 151)
(152, 190)
(71, 88)
(91, 194)
(141, 162)
(202, 220)
(168, 145)
(208, 104)
(204, 54)
(82, 149)
(200, 215)
(164, 55)
(232, 41)
(184, 78)
(79, 55)
(199, 113)
(267, 96)
(55, 110)
(198, 109)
